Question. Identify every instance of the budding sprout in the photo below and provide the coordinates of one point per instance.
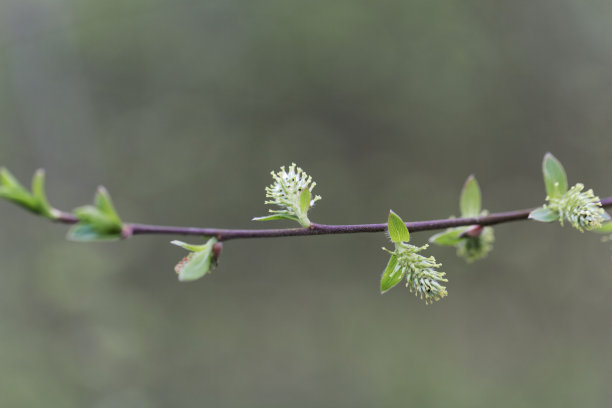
(476, 246)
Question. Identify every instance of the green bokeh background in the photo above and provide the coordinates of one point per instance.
(181, 108)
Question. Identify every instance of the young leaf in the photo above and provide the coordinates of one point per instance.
(20, 197)
(397, 229)
(97, 223)
(35, 201)
(8, 180)
(193, 266)
(90, 215)
(275, 217)
(87, 233)
(555, 178)
(104, 203)
(391, 276)
(544, 214)
(197, 263)
(38, 192)
(470, 201)
(189, 247)
(305, 201)
(38, 188)
(450, 237)
(604, 229)
(12, 190)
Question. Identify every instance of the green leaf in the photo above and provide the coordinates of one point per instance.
(104, 203)
(12, 190)
(397, 229)
(193, 266)
(38, 192)
(604, 229)
(450, 237)
(189, 247)
(100, 217)
(555, 178)
(197, 263)
(391, 276)
(35, 201)
(470, 201)
(87, 233)
(20, 197)
(90, 215)
(276, 217)
(8, 180)
(544, 214)
(305, 201)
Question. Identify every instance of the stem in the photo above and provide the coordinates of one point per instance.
(319, 229)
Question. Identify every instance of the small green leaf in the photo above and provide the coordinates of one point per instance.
(397, 229)
(197, 263)
(97, 222)
(544, 214)
(35, 201)
(87, 233)
(38, 192)
(90, 215)
(189, 247)
(20, 197)
(12, 190)
(604, 229)
(305, 201)
(450, 237)
(276, 217)
(470, 201)
(391, 276)
(8, 180)
(193, 266)
(555, 178)
(104, 203)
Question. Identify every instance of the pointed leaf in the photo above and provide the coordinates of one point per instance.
(86, 233)
(193, 266)
(544, 214)
(397, 229)
(604, 229)
(470, 201)
(275, 217)
(104, 203)
(19, 196)
(450, 237)
(12, 190)
(305, 201)
(391, 276)
(99, 221)
(189, 247)
(8, 180)
(196, 264)
(38, 192)
(555, 178)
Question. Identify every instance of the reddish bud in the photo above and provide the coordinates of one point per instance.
(473, 232)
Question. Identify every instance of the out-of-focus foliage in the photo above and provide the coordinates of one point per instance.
(182, 108)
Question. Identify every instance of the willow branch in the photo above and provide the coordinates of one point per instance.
(319, 229)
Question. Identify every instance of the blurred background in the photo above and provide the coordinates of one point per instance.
(181, 108)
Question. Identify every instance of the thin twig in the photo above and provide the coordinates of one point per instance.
(320, 229)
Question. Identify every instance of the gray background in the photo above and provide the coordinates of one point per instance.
(182, 108)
